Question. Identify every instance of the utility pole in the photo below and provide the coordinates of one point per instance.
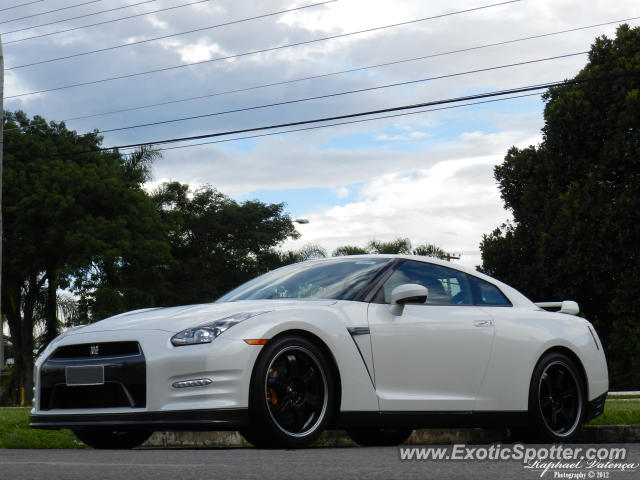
(1, 150)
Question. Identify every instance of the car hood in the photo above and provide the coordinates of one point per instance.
(175, 319)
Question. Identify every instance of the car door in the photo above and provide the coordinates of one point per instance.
(433, 357)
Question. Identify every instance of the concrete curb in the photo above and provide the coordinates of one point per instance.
(339, 438)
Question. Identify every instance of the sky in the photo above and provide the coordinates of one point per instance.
(427, 176)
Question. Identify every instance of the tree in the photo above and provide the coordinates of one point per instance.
(66, 205)
(311, 251)
(397, 246)
(349, 250)
(216, 242)
(430, 250)
(575, 200)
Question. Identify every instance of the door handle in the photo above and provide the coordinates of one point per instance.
(483, 323)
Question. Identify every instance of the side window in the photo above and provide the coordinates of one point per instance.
(446, 286)
(485, 293)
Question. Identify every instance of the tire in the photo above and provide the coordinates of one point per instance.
(110, 439)
(291, 397)
(557, 399)
(379, 437)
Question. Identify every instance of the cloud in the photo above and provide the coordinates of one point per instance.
(199, 52)
(450, 204)
(394, 168)
(402, 137)
(342, 192)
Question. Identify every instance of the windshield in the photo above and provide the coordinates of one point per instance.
(333, 279)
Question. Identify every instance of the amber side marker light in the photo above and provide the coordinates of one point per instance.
(256, 341)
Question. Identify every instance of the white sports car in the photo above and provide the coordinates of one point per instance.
(377, 345)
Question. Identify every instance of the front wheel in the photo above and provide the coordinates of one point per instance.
(291, 395)
(556, 399)
(112, 439)
(379, 437)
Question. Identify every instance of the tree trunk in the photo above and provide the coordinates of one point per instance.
(51, 308)
(25, 354)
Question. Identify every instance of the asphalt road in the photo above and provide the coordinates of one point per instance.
(239, 463)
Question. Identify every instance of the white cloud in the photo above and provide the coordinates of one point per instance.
(450, 204)
(413, 169)
(401, 137)
(157, 23)
(199, 52)
(342, 192)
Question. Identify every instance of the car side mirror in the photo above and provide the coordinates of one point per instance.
(407, 293)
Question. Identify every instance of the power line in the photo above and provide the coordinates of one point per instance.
(123, 45)
(337, 117)
(280, 47)
(50, 11)
(156, 11)
(73, 18)
(323, 75)
(21, 5)
(362, 120)
(337, 94)
(510, 91)
(88, 15)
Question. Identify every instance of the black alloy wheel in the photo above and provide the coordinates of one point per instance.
(291, 397)
(557, 399)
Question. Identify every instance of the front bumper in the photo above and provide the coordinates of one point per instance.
(144, 385)
(215, 419)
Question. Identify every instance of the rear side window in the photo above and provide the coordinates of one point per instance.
(484, 293)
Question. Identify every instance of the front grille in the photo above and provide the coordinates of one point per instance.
(92, 350)
(109, 395)
(125, 381)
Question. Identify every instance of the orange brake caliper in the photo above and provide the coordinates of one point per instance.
(272, 398)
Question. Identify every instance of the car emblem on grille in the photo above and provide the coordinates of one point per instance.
(94, 350)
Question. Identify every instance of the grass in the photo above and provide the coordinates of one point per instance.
(619, 413)
(15, 432)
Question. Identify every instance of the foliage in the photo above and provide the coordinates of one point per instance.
(575, 200)
(15, 432)
(311, 251)
(77, 218)
(430, 250)
(616, 412)
(66, 205)
(349, 250)
(397, 246)
(216, 243)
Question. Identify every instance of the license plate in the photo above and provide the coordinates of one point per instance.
(85, 375)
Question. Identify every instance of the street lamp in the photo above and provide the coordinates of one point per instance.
(301, 221)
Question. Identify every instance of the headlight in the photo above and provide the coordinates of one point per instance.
(206, 333)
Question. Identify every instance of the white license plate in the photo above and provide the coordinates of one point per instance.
(85, 375)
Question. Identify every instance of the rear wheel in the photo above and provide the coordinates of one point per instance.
(112, 439)
(556, 399)
(291, 397)
(379, 437)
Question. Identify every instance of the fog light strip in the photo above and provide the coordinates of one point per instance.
(198, 382)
